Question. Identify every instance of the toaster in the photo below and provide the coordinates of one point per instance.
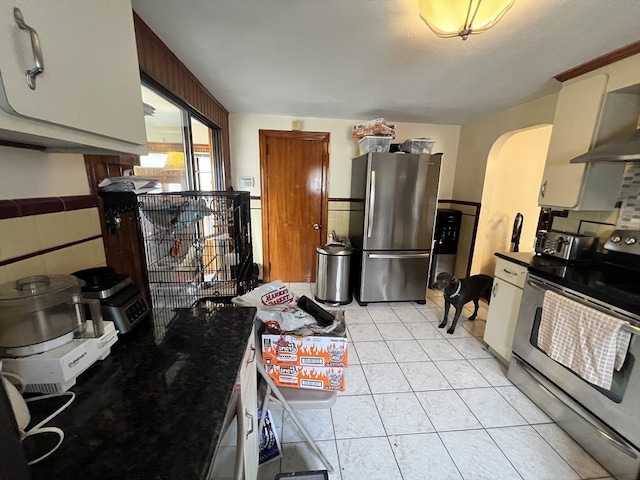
(566, 246)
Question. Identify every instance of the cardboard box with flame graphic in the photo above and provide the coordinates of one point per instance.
(313, 378)
(307, 351)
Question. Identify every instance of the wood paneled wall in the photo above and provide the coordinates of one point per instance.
(124, 249)
(160, 64)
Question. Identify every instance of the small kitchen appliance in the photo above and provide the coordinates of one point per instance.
(43, 312)
(45, 337)
(56, 370)
(565, 246)
(120, 300)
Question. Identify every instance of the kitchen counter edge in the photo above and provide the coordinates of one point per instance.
(154, 409)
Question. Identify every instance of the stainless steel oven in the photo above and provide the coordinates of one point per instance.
(605, 422)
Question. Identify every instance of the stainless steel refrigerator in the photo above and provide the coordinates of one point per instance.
(391, 225)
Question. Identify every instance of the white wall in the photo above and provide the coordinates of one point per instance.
(623, 73)
(514, 171)
(30, 174)
(245, 153)
(477, 139)
(245, 159)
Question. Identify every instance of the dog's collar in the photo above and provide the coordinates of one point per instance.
(457, 292)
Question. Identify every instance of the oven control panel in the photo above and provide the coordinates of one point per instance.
(565, 245)
(624, 241)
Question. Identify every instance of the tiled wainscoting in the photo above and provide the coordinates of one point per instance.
(600, 224)
(338, 220)
(339, 216)
(340, 213)
(56, 235)
(630, 195)
(424, 405)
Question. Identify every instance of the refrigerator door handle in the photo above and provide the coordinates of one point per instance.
(372, 201)
(410, 255)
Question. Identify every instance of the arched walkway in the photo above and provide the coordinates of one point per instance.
(511, 183)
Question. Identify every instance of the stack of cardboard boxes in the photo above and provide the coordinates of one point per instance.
(314, 362)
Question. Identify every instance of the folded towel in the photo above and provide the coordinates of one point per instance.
(589, 342)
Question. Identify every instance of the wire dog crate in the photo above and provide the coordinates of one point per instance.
(197, 245)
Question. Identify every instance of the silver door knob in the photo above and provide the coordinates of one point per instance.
(316, 226)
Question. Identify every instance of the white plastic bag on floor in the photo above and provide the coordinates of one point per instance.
(277, 306)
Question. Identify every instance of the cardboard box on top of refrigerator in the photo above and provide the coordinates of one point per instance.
(306, 351)
(312, 378)
(377, 126)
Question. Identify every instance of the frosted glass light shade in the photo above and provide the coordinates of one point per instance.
(453, 18)
(175, 161)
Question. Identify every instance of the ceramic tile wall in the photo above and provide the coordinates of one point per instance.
(339, 216)
(600, 224)
(26, 235)
(630, 194)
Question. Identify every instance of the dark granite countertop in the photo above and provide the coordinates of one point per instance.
(613, 285)
(521, 258)
(153, 410)
(596, 278)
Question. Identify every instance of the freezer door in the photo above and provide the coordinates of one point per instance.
(359, 169)
(393, 276)
(401, 201)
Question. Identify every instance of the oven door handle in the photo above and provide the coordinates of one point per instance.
(589, 419)
(632, 329)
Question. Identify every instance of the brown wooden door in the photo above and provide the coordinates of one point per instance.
(294, 168)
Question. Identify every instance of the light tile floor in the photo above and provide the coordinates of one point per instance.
(420, 404)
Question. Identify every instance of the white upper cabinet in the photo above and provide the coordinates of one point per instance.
(87, 96)
(580, 123)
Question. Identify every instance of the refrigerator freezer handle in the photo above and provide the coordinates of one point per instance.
(387, 255)
(372, 202)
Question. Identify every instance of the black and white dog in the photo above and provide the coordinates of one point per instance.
(460, 291)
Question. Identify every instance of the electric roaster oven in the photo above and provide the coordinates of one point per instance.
(120, 300)
(603, 417)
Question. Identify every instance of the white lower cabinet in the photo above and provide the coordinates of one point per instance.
(248, 411)
(237, 453)
(506, 295)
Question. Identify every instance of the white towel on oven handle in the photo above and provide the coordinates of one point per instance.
(589, 342)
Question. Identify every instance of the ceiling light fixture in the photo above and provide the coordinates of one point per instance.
(461, 18)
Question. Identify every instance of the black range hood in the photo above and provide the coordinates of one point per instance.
(625, 148)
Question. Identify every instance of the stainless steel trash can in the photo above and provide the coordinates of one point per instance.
(332, 276)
